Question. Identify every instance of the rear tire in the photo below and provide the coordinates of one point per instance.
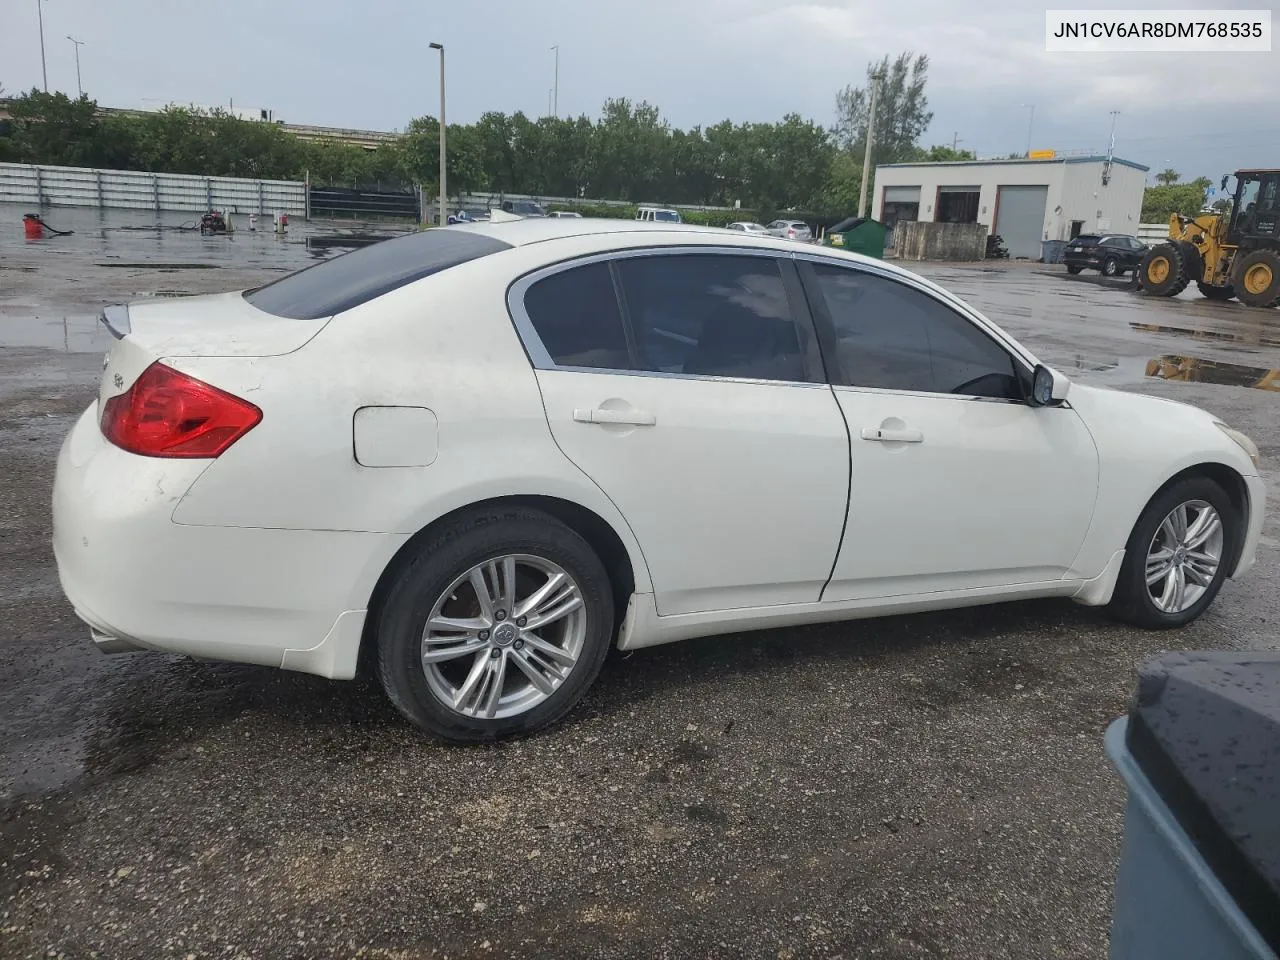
(1072, 269)
(438, 584)
(1110, 267)
(1163, 271)
(1211, 292)
(1141, 601)
(1257, 278)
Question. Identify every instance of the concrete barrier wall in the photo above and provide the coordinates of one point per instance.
(41, 186)
(914, 240)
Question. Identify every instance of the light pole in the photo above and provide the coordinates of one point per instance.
(444, 215)
(1030, 122)
(555, 104)
(44, 73)
(871, 139)
(79, 44)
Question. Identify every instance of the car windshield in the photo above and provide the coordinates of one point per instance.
(666, 216)
(346, 281)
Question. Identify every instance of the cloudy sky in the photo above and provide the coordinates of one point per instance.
(366, 64)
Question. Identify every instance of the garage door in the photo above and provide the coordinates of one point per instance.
(1020, 219)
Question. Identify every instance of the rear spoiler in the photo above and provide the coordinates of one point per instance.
(115, 318)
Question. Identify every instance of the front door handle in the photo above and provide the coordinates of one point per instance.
(893, 435)
(635, 418)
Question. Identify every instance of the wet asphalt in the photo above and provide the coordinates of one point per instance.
(922, 786)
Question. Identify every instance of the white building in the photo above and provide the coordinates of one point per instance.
(1024, 201)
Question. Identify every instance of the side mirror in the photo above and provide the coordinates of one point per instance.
(1223, 185)
(1048, 387)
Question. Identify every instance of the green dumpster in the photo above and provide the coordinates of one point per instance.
(864, 236)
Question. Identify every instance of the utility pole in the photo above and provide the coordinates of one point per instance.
(44, 73)
(954, 140)
(79, 44)
(871, 137)
(549, 107)
(555, 102)
(1111, 150)
(444, 215)
(1030, 123)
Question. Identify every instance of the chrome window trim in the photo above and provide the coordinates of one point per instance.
(542, 359)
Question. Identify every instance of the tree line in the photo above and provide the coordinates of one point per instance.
(628, 153)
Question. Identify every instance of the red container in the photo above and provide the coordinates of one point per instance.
(32, 226)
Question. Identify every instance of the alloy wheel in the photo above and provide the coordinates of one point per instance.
(504, 636)
(1184, 556)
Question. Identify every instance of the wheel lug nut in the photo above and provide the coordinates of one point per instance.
(495, 653)
(520, 622)
(518, 645)
(501, 614)
(484, 634)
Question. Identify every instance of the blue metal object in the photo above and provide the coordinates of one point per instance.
(1169, 905)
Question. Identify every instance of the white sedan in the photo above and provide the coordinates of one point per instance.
(476, 457)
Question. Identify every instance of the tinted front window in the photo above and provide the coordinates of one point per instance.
(576, 315)
(894, 337)
(667, 216)
(351, 279)
(712, 315)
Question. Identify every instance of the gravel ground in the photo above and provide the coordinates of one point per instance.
(922, 786)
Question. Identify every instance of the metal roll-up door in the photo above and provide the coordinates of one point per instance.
(1020, 219)
(901, 194)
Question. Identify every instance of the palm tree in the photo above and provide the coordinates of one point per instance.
(1168, 176)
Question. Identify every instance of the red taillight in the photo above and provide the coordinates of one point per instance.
(791, 234)
(169, 414)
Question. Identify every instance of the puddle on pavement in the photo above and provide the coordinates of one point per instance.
(1244, 336)
(162, 266)
(1195, 370)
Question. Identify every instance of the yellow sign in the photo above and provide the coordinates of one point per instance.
(1041, 155)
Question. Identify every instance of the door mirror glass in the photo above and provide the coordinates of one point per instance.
(1048, 387)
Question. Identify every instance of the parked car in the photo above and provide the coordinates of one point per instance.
(1112, 254)
(658, 215)
(566, 214)
(790, 229)
(749, 227)
(523, 208)
(483, 505)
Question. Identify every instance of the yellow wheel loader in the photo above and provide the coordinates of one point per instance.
(1236, 254)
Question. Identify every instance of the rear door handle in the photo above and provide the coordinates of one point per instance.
(891, 435)
(635, 418)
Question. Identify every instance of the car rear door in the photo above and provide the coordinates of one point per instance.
(687, 384)
(957, 484)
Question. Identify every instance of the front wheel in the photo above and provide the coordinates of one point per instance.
(495, 628)
(1177, 556)
(1163, 271)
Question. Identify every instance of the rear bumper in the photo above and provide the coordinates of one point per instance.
(282, 598)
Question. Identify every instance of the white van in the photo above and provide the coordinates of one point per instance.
(658, 215)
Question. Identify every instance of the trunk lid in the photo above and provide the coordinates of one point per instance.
(211, 325)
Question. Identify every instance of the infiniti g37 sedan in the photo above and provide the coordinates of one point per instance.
(474, 458)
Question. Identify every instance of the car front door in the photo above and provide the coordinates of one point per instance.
(688, 386)
(957, 483)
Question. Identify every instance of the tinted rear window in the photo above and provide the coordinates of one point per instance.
(1086, 239)
(667, 216)
(359, 276)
